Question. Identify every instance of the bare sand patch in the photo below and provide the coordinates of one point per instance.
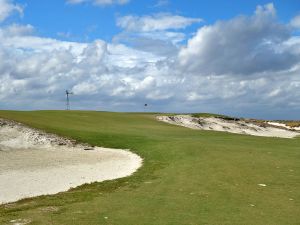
(277, 124)
(34, 163)
(232, 126)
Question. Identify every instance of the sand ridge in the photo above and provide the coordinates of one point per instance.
(34, 163)
(277, 124)
(232, 126)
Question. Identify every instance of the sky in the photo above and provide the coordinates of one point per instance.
(234, 57)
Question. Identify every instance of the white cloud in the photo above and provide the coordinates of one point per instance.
(160, 33)
(76, 1)
(85, 88)
(244, 66)
(161, 3)
(21, 37)
(7, 8)
(243, 45)
(156, 22)
(295, 22)
(100, 2)
(267, 10)
(159, 42)
(17, 30)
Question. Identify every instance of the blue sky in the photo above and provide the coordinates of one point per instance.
(86, 20)
(240, 58)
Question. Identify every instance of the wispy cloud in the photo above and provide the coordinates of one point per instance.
(156, 22)
(100, 2)
(7, 8)
(295, 22)
(161, 3)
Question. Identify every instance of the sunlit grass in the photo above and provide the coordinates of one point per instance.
(188, 176)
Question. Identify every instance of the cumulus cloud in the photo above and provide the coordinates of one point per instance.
(30, 69)
(248, 66)
(100, 2)
(17, 30)
(156, 22)
(243, 45)
(163, 43)
(158, 33)
(7, 8)
(295, 22)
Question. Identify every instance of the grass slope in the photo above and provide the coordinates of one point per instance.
(188, 177)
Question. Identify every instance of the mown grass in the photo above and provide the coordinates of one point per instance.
(188, 176)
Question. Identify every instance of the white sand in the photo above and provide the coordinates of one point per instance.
(218, 124)
(34, 163)
(283, 125)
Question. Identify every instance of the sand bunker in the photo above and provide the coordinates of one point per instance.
(34, 163)
(232, 126)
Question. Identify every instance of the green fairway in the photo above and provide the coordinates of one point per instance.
(189, 177)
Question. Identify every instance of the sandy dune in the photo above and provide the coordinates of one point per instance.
(218, 124)
(34, 163)
(283, 125)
